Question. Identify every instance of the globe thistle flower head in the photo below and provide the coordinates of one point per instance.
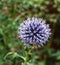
(34, 30)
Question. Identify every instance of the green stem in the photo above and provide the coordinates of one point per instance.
(27, 56)
(25, 61)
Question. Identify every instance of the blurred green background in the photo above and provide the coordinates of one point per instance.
(12, 12)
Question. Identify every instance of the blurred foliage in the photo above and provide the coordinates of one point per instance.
(12, 12)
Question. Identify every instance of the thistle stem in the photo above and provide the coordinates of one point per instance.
(27, 56)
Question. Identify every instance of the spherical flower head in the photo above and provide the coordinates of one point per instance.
(34, 30)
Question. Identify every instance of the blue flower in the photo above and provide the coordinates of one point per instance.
(34, 30)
